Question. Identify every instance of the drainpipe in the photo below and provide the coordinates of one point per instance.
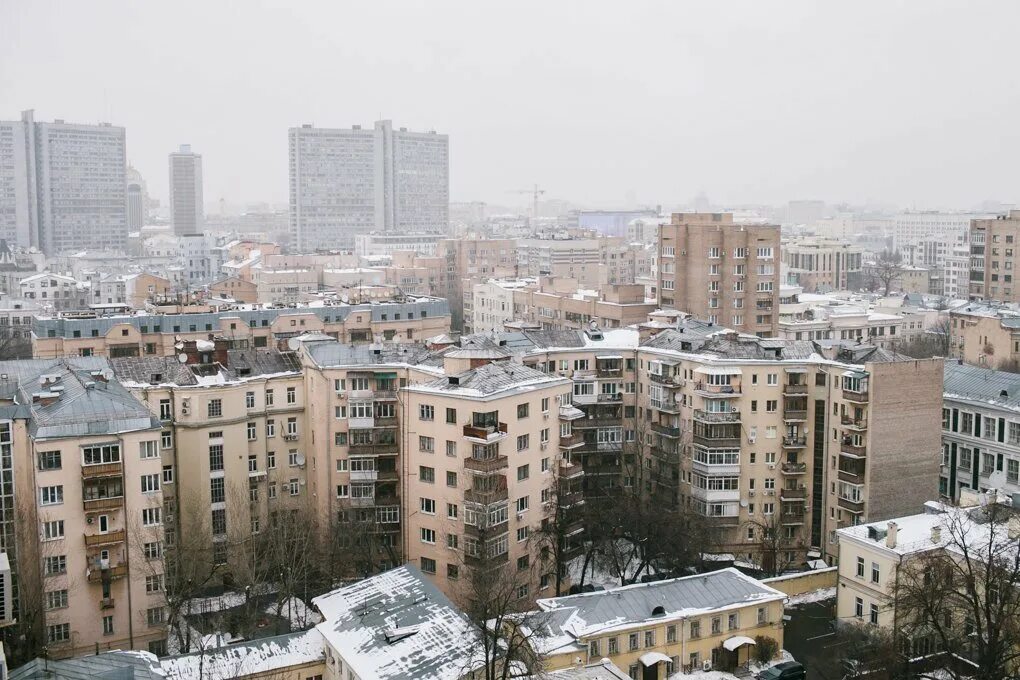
(127, 547)
(683, 645)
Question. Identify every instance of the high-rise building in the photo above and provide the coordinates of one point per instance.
(993, 246)
(722, 271)
(137, 199)
(349, 182)
(186, 211)
(62, 185)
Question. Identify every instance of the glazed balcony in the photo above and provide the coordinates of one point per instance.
(486, 497)
(795, 389)
(487, 434)
(101, 470)
(732, 416)
(794, 468)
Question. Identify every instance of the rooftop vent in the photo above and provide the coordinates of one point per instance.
(1003, 393)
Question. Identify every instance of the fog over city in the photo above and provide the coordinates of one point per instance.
(601, 103)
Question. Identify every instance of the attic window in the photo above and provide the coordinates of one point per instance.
(1003, 394)
(244, 371)
(659, 611)
(454, 379)
(156, 378)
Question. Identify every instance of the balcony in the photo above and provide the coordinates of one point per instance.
(485, 435)
(854, 423)
(795, 389)
(109, 538)
(291, 436)
(485, 497)
(584, 375)
(666, 430)
(585, 399)
(722, 522)
(490, 562)
(794, 468)
(795, 442)
(667, 380)
(373, 449)
(858, 396)
(359, 395)
(106, 603)
(385, 395)
(612, 397)
(361, 423)
(362, 501)
(794, 415)
(850, 449)
(715, 495)
(364, 475)
(570, 470)
(666, 405)
(732, 416)
(388, 476)
(570, 412)
(851, 476)
(96, 504)
(716, 391)
(385, 421)
(855, 507)
(101, 470)
(595, 423)
(485, 466)
(98, 575)
(791, 518)
(571, 441)
(793, 494)
(568, 500)
(609, 371)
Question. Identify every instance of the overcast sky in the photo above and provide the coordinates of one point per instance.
(915, 103)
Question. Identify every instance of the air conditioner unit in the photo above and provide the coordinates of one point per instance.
(772, 466)
(706, 665)
(751, 493)
(770, 492)
(544, 445)
(751, 438)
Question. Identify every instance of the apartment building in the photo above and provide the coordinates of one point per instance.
(806, 316)
(81, 507)
(244, 327)
(386, 244)
(492, 304)
(67, 185)
(187, 210)
(649, 630)
(722, 271)
(980, 431)
(912, 227)
(468, 261)
(284, 286)
(58, 292)
(233, 288)
(416, 274)
(558, 303)
(986, 335)
(823, 265)
(482, 449)
(233, 446)
(591, 261)
(345, 182)
(993, 245)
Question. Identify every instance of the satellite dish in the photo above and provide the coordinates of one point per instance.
(182, 358)
(293, 344)
(344, 299)
(300, 459)
(743, 503)
(177, 338)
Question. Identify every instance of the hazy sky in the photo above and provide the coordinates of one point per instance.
(916, 103)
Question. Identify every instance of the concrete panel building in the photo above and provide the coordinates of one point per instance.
(186, 199)
(994, 257)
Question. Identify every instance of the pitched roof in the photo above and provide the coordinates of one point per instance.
(248, 658)
(106, 666)
(985, 385)
(397, 625)
(489, 379)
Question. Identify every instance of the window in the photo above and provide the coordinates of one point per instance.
(632, 642)
(150, 517)
(451, 479)
(97, 455)
(649, 638)
(269, 397)
(295, 486)
(55, 564)
(523, 533)
(291, 395)
(874, 613)
(732, 621)
(762, 615)
(292, 458)
(451, 511)
(153, 550)
(164, 409)
(716, 625)
(215, 408)
(150, 483)
(545, 404)
(219, 522)
(56, 599)
(452, 572)
(522, 504)
(426, 444)
(522, 472)
(858, 607)
(428, 506)
(107, 625)
(155, 616)
(874, 572)
(860, 567)
(292, 427)
(427, 474)
(271, 490)
(523, 441)
(53, 530)
(166, 439)
(593, 648)
(451, 416)
(51, 495)
(153, 584)
(148, 450)
(60, 632)
(342, 491)
(428, 536)
(522, 411)
(217, 490)
(426, 412)
(695, 630)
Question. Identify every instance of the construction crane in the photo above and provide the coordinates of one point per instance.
(535, 193)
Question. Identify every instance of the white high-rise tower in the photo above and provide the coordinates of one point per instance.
(186, 211)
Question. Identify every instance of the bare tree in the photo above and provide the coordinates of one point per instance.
(885, 270)
(12, 347)
(871, 652)
(933, 342)
(772, 545)
(964, 600)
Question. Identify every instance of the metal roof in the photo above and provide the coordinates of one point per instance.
(981, 384)
(492, 378)
(340, 354)
(106, 666)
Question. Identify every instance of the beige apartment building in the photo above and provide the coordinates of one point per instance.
(993, 258)
(81, 508)
(254, 327)
(722, 271)
(233, 288)
(593, 261)
(482, 450)
(468, 261)
(416, 274)
(822, 265)
(558, 303)
(986, 335)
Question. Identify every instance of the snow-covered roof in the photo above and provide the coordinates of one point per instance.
(397, 625)
(248, 658)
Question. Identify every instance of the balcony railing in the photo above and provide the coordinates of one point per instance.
(567, 500)
(489, 433)
(101, 470)
(666, 430)
(485, 466)
(856, 507)
(108, 503)
(485, 497)
(789, 414)
(792, 518)
(855, 423)
(373, 449)
(385, 421)
(795, 389)
(795, 442)
(718, 442)
(108, 538)
(853, 450)
(793, 494)
(610, 397)
(717, 391)
(364, 475)
(97, 575)
(572, 440)
(668, 380)
(385, 395)
(718, 522)
(106, 603)
(717, 416)
(569, 470)
(860, 396)
(794, 468)
(851, 476)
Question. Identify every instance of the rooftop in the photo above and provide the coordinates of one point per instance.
(397, 626)
(489, 379)
(983, 386)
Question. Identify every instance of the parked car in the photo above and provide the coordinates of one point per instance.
(788, 670)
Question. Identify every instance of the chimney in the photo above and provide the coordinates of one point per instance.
(890, 537)
(936, 534)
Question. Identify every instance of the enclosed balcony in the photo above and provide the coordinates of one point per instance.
(608, 366)
(486, 433)
(102, 470)
(792, 469)
(717, 435)
(485, 466)
(730, 416)
(102, 493)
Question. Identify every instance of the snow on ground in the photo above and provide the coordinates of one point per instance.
(812, 596)
(215, 603)
(754, 668)
(301, 615)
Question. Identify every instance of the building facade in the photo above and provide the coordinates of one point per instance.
(65, 186)
(186, 199)
(716, 269)
(354, 181)
(819, 266)
(993, 256)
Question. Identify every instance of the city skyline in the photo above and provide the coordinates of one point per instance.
(818, 103)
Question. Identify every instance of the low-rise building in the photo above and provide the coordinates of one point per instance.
(655, 629)
(559, 304)
(55, 291)
(822, 265)
(986, 334)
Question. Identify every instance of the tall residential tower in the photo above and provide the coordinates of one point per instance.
(186, 212)
(345, 182)
(62, 186)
